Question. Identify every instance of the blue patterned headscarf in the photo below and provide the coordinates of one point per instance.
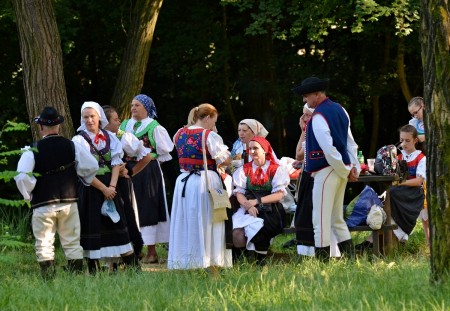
(148, 104)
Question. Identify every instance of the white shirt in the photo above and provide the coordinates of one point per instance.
(86, 166)
(279, 182)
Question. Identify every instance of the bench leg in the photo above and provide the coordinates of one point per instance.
(376, 243)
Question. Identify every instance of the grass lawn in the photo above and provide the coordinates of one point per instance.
(400, 282)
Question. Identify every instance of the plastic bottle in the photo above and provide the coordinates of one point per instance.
(360, 157)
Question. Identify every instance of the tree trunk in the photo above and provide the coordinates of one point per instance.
(401, 69)
(435, 42)
(135, 59)
(40, 48)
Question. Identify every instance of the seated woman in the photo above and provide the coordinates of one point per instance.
(407, 198)
(259, 184)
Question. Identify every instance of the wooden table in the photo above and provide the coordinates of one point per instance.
(386, 230)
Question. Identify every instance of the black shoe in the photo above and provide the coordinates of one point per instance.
(290, 243)
(366, 245)
(347, 249)
(322, 253)
(47, 269)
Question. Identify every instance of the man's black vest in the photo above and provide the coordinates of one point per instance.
(55, 162)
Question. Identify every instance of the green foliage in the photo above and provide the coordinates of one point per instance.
(7, 175)
(405, 13)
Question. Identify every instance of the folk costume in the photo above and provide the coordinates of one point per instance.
(53, 194)
(253, 182)
(101, 237)
(195, 241)
(330, 156)
(407, 202)
(149, 187)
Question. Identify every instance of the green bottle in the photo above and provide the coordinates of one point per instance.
(360, 157)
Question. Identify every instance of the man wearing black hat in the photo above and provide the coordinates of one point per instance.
(331, 159)
(53, 194)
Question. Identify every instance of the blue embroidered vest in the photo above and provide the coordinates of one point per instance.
(338, 123)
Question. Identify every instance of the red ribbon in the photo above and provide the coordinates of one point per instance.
(99, 137)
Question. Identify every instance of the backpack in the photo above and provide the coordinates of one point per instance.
(386, 160)
(355, 213)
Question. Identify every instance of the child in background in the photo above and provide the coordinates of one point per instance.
(408, 197)
(416, 107)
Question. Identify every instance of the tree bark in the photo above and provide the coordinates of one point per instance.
(40, 48)
(134, 61)
(435, 43)
(401, 69)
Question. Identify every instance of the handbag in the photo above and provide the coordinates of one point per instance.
(218, 196)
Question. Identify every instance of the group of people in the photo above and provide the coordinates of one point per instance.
(104, 193)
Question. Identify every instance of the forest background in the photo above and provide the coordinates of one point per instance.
(243, 57)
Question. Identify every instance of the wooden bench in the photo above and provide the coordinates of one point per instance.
(378, 249)
(386, 230)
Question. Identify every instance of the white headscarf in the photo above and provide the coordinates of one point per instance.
(103, 120)
(310, 109)
(257, 128)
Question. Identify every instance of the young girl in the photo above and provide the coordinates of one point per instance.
(408, 197)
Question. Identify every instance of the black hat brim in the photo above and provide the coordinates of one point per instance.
(311, 87)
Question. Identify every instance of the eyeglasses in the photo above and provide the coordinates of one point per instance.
(414, 114)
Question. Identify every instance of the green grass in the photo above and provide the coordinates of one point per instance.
(400, 282)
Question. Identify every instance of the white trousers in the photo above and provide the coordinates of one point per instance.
(328, 213)
(66, 222)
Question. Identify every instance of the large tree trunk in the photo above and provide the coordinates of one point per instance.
(40, 48)
(435, 41)
(135, 58)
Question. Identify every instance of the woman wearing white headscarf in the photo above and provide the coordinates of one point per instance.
(247, 129)
(103, 234)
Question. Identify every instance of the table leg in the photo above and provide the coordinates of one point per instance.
(387, 234)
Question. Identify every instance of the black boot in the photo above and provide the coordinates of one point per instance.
(322, 253)
(93, 266)
(347, 249)
(131, 262)
(74, 266)
(261, 259)
(47, 269)
(237, 254)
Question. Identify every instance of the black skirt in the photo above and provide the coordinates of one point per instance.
(406, 204)
(303, 215)
(99, 231)
(125, 187)
(150, 195)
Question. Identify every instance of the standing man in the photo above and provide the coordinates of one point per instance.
(53, 194)
(331, 159)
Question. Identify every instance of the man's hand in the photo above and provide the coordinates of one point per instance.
(353, 175)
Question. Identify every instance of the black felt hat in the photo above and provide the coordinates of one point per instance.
(311, 85)
(49, 116)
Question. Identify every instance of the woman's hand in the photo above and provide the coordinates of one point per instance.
(109, 192)
(250, 206)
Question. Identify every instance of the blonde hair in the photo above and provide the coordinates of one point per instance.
(200, 112)
(416, 101)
